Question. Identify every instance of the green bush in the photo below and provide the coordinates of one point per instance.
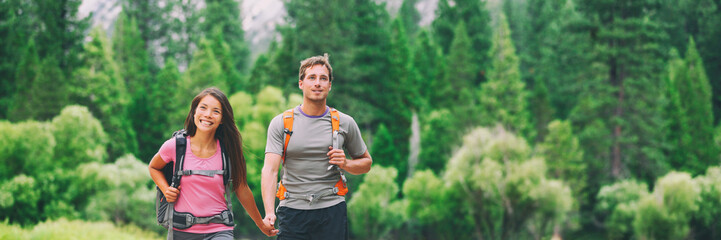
(75, 229)
(374, 209)
(80, 137)
(25, 148)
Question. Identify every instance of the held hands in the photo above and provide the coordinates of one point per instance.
(171, 193)
(337, 157)
(268, 227)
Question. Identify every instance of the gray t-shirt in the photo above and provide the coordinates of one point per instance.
(306, 164)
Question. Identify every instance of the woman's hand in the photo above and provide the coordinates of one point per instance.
(171, 194)
(267, 227)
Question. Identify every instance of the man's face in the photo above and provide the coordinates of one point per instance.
(316, 83)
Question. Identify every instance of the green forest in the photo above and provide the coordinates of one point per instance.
(500, 119)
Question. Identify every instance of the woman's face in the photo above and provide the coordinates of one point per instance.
(208, 115)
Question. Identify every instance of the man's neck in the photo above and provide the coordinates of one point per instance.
(313, 108)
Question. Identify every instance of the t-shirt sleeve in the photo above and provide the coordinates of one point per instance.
(276, 138)
(167, 151)
(353, 140)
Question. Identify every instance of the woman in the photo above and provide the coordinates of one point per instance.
(209, 124)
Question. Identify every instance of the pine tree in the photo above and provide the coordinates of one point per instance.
(384, 149)
(477, 22)
(541, 109)
(62, 33)
(564, 157)
(410, 17)
(695, 150)
(204, 71)
(439, 135)
(284, 62)
(459, 74)
(503, 97)
(622, 98)
(224, 56)
(15, 34)
(428, 61)
(168, 106)
(155, 23)
(370, 53)
(23, 107)
(559, 57)
(225, 15)
(184, 23)
(260, 74)
(99, 86)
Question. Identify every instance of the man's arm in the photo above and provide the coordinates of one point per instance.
(359, 165)
(269, 185)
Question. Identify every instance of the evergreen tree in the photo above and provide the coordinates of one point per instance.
(155, 19)
(99, 86)
(622, 97)
(22, 107)
(385, 151)
(410, 18)
(225, 15)
(16, 32)
(558, 56)
(695, 149)
(260, 74)
(131, 56)
(709, 12)
(503, 97)
(459, 73)
(396, 108)
(284, 62)
(370, 54)
(540, 109)
(185, 26)
(204, 71)
(564, 157)
(429, 63)
(223, 54)
(477, 23)
(168, 107)
(439, 135)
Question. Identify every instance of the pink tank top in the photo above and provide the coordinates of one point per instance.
(200, 195)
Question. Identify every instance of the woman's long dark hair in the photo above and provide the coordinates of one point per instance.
(226, 132)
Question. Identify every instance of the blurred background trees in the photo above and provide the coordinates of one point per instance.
(535, 118)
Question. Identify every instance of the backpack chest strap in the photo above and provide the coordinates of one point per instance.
(208, 173)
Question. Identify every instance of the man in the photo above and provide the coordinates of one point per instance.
(309, 141)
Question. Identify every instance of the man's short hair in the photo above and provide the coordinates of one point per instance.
(312, 61)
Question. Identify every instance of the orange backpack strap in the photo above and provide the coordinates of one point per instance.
(334, 119)
(287, 129)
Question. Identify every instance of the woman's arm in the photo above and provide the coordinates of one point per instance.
(155, 167)
(245, 196)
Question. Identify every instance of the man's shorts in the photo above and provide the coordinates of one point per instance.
(324, 223)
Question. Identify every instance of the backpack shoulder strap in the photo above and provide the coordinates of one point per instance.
(287, 129)
(334, 119)
(180, 146)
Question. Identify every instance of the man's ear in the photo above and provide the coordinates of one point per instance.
(300, 84)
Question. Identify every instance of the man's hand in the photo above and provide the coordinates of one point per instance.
(171, 193)
(268, 227)
(337, 157)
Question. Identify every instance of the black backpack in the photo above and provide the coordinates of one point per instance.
(173, 173)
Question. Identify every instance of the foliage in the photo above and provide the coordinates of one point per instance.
(617, 206)
(438, 138)
(503, 189)
(79, 137)
(424, 193)
(564, 157)
(204, 71)
(503, 97)
(691, 114)
(706, 223)
(242, 104)
(666, 213)
(75, 229)
(374, 209)
(26, 148)
(99, 86)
